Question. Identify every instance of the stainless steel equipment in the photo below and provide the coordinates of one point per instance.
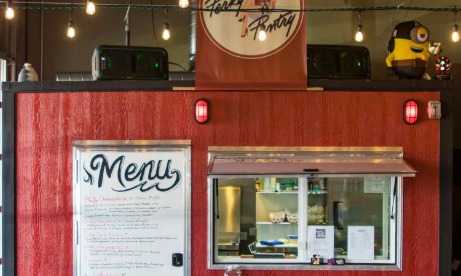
(229, 199)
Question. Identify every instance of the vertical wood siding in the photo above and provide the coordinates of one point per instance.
(47, 123)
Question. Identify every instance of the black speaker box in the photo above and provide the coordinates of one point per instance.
(129, 63)
(337, 62)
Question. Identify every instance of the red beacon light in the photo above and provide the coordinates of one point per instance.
(201, 111)
(410, 112)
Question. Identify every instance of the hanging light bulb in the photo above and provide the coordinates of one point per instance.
(359, 34)
(262, 36)
(9, 11)
(455, 33)
(183, 3)
(90, 8)
(70, 26)
(166, 28)
(71, 29)
(166, 31)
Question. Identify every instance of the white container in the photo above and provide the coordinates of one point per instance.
(27, 73)
(273, 184)
(267, 184)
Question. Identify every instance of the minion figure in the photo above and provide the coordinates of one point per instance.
(409, 50)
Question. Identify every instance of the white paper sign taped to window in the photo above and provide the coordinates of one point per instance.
(320, 241)
(377, 185)
(360, 242)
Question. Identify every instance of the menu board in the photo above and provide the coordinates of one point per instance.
(360, 242)
(131, 208)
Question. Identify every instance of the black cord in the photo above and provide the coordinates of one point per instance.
(153, 25)
(174, 63)
(53, 6)
(215, 184)
(394, 195)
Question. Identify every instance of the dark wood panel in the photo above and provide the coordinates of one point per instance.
(47, 123)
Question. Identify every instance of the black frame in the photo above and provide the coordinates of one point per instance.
(445, 87)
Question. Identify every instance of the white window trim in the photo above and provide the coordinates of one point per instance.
(302, 262)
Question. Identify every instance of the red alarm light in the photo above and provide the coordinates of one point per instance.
(410, 112)
(201, 111)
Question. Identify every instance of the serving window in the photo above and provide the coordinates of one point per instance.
(306, 208)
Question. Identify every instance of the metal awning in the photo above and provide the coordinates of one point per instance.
(308, 160)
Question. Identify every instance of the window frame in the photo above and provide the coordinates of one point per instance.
(302, 262)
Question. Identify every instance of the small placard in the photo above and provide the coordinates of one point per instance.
(377, 185)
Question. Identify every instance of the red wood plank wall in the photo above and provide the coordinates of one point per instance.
(47, 123)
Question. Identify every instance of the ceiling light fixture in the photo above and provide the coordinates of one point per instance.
(166, 28)
(90, 8)
(455, 33)
(183, 4)
(359, 33)
(262, 35)
(70, 26)
(9, 11)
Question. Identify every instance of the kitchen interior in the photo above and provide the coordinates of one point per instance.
(257, 217)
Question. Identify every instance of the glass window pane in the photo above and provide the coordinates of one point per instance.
(347, 202)
(256, 219)
(259, 219)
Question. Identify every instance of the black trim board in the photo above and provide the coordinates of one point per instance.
(154, 85)
(446, 183)
(9, 187)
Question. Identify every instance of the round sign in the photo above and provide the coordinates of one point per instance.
(234, 25)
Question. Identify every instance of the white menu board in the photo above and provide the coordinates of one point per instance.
(131, 208)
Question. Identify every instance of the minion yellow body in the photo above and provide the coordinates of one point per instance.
(409, 50)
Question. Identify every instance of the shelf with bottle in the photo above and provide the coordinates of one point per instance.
(317, 186)
(276, 185)
(317, 214)
(277, 192)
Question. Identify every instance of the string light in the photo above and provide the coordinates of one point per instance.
(262, 36)
(183, 4)
(359, 33)
(90, 8)
(166, 28)
(455, 33)
(71, 29)
(44, 5)
(166, 31)
(9, 12)
(70, 26)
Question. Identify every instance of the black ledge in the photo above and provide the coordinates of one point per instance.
(173, 85)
